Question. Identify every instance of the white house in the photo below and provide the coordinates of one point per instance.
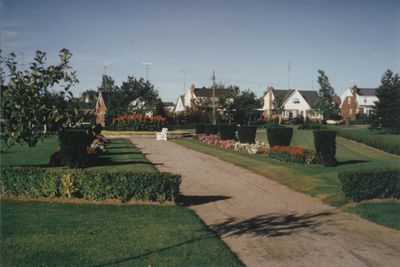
(295, 103)
(357, 101)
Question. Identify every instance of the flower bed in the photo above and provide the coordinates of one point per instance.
(237, 146)
(292, 154)
(138, 122)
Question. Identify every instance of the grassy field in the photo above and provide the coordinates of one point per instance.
(50, 234)
(315, 180)
(120, 154)
(387, 213)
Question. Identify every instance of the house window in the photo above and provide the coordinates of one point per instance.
(351, 111)
(296, 100)
(348, 101)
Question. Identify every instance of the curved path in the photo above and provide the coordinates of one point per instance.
(266, 223)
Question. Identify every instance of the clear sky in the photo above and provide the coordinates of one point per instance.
(248, 43)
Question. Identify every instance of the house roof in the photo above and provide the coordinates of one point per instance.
(366, 91)
(310, 96)
(208, 92)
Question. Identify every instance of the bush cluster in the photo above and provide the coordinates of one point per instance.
(138, 122)
(371, 139)
(227, 131)
(367, 184)
(199, 127)
(325, 147)
(210, 129)
(73, 146)
(292, 154)
(124, 185)
(247, 133)
(279, 136)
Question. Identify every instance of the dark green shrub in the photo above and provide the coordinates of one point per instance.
(371, 139)
(279, 136)
(124, 185)
(73, 145)
(247, 133)
(325, 147)
(210, 129)
(199, 128)
(227, 131)
(367, 184)
(97, 129)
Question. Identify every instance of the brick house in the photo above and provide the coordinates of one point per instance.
(101, 108)
(357, 101)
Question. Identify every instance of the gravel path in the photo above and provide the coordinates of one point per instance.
(266, 223)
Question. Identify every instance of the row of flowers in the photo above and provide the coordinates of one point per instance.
(290, 154)
(138, 122)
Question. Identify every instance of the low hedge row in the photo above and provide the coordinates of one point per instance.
(124, 185)
(368, 184)
(371, 140)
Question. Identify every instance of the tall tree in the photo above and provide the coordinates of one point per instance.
(89, 94)
(387, 108)
(326, 104)
(246, 105)
(107, 84)
(27, 106)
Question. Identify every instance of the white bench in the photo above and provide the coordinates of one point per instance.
(162, 136)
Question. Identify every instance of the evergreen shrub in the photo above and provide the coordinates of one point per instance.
(227, 131)
(279, 136)
(325, 147)
(247, 133)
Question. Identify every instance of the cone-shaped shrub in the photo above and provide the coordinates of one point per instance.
(247, 134)
(227, 131)
(73, 143)
(325, 147)
(210, 129)
(279, 136)
(199, 128)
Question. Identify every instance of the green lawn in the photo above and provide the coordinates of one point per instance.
(315, 180)
(387, 213)
(120, 154)
(49, 234)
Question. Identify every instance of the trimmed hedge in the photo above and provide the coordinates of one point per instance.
(124, 185)
(279, 136)
(325, 147)
(73, 145)
(199, 128)
(210, 129)
(227, 131)
(247, 133)
(371, 139)
(367, 184)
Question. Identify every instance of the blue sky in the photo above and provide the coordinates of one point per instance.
(247, 43)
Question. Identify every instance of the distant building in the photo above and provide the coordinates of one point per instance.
(188, 100)
(101, 108)
(295, 103)
(169, 106)
(357, 101)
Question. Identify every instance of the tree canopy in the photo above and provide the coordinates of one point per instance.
(326, 104)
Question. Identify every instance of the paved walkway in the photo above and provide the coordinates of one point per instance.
(266, 223)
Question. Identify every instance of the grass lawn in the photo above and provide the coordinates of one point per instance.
(120, 154)
(315, 180)
(387, 213)
(50, 234)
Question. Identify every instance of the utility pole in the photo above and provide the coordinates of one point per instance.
(184, 81)
(288, 79)
(214, 85)
(147, 68)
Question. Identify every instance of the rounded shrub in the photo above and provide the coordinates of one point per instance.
(227, 131)
(279, 136)
(247, 133)
(210, 129)
(325, 147)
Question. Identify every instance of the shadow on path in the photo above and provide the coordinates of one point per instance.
(198, 200)
(345, 162)
(273, 225)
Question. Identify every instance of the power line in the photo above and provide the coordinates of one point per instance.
(147, 68)
(184, 81)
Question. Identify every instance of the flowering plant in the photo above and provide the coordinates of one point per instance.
(237, 146)
(138, 122)
(292, 154)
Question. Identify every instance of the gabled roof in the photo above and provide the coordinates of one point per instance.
(208, 92)
(310, 96)
(366, 91)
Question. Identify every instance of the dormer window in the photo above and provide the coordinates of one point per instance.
(296, 100)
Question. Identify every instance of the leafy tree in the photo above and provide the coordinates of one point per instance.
(27, 105)
(90, 94)
(107, 84)
(246, 105)
(278, 107)
(387, 108)
(326, 104)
